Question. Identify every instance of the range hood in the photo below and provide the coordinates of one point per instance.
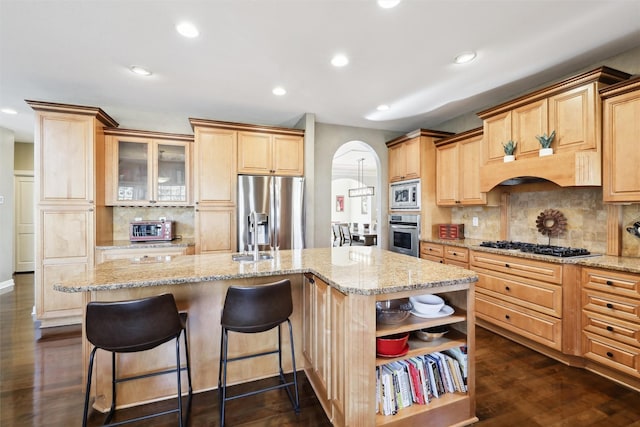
(568, 169)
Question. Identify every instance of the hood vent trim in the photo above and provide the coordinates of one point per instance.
(573, 169)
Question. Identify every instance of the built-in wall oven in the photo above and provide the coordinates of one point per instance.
(404, 234)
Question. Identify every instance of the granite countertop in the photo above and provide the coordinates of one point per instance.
(352, 270)
(625, 264)
(126, 244)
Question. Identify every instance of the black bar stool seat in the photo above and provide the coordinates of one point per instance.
(135, 326)
(254, 309)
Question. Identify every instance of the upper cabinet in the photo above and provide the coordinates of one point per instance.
(404, 160)
(458, 170)
(266, 153)
(621, 142)
(148, 168)
(571, 109)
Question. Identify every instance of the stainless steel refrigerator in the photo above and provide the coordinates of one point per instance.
(278, 202)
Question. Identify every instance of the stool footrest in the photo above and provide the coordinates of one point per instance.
(151, 374)
(249, 356)
(145, 417)
(262, 390)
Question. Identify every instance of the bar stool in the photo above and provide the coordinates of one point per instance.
(250, 310)
(133, 326)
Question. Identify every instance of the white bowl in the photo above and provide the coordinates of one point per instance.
(427, 304)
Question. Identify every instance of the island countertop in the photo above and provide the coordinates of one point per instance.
(352, 270)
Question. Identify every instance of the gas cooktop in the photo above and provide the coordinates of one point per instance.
(534, 248)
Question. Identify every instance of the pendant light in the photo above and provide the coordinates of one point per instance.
(361, 191)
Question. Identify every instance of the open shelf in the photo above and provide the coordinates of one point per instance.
(413, 323)
(418, 347)
(405, 413)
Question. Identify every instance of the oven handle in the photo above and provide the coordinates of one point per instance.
(403, 225)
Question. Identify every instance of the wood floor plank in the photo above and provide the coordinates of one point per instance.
(41, 376)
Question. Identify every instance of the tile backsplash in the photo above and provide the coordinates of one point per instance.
(583, 207)
(122, 216)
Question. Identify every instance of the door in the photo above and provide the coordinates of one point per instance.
(287, 213)
(24, 230)
(254, 194)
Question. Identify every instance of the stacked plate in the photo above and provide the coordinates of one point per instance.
(430, 306)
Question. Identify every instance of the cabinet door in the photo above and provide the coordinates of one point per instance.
(572, 115)
(215, 166)
(447, 185)
(497, 131)
(288, 155)
(397, 163)
(412, 158)
(65, 157)
(339, 362)
(171, 175)
(322, 357)
(527, 122)
(470, 153)
(255, 153)
(308, 319)
(621, 155)
(133, 174)
(215, 229)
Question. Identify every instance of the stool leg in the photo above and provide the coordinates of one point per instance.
(222, 388)
(178, 370)
(113, 389)
(86, 396)
(186, 351)
(296, 406)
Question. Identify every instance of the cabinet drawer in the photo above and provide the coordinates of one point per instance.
(615, 329)
(456, 253)
(538, 327)
(460, 264)
(540, 296)
(432, 258)
(618, 356)
(611, 305)
(611, 282)
(533, 269)
(431, 249)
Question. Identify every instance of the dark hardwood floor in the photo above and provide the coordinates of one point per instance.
(41, 376)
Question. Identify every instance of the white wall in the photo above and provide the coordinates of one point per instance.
(6, 208)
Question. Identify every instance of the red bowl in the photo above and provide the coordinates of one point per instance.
(392, 344)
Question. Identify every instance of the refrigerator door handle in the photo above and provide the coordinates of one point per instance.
(274, 214)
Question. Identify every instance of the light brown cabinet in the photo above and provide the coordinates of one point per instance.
(611, 320)
(404, 160)
(271, 153)
(458, 160)
(621, 139)
(141, 254)
(215, 187)
(445, 254)
(521, 296)
(148, 168)
(71, 212)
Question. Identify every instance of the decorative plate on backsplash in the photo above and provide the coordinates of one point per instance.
(551, 222)
(634, 228)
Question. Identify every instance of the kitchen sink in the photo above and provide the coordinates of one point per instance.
(249, 257)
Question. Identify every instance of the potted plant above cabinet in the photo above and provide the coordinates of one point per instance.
(545, 142)
(509, 149)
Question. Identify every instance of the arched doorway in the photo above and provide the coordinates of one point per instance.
(356, 165)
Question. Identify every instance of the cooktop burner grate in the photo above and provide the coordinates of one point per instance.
(557, 251)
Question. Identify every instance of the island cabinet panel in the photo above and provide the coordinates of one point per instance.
(621, 136)
(611, 320)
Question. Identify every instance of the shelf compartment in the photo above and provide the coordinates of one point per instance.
(418, 347)
(413, 323)
(430, 408)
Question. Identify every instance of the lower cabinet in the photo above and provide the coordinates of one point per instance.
(341, 363)
(611, 320)
(141, 254)
(445, 254)
(521, 296)
(215, 229)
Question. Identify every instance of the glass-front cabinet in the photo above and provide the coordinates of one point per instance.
(148, 170)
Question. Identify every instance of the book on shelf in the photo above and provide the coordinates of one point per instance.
(435, 375)
(445, 372)
(417, 388)
(400, 369)
(460, 354)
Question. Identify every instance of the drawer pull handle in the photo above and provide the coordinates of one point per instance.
(609, 305)
(610, 328)
(506, 316)
(609, 354)
(454, 254)
(507, 265)
(609, 282)
(507, 288)
(441, 262)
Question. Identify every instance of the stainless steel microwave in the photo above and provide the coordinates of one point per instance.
(405, 195)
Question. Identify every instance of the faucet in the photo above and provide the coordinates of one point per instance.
(253, 219)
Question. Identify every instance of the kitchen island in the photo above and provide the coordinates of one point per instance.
(334, 321)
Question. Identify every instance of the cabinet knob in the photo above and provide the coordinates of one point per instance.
(506, 316)
(507, 265)
(609, 305)
(506, 288)
(152, 201)
(90, 201)
(441, 262)
(609, 354)
(610, 328)
(312, 280)
(609, 282)
(457, 201)
(454, 254)
(90, 209)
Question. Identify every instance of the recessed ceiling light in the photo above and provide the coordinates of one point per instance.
(388, 4)
(187, 29)
(140, 70)
(465, 57)
(279, 91)
(382, 107)
(9, 111)
(339, 60)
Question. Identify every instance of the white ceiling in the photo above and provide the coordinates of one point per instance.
(79, 51)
